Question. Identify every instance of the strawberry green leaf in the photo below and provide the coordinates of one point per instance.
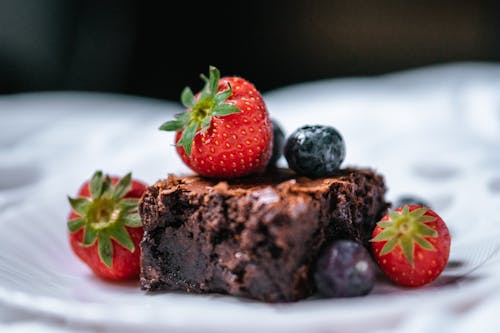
(106, 216)
(222, 96)
(205, 124)
(214, 76)
(417, 212)
(172, 125)
(384, 224)
(404, 228)
(132, 220)
(122, 187)
(205, 92)
(79, 205)
(187, 137)
(407, 244)
(187, 97)
(389, 246)
(200, 110)
(121, 236)
(425, 230)
(106, 185)
(206, 80)
(424, 243)
(96, 185)
(427, 218)
(129, 204)
(225, 110)
(183, 117)
(393, 215)
(77, 224)
(385, 235)
(89, 236)
(178, 124)
(105, 250)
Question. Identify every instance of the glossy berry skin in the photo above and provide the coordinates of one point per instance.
(226, 131)
(416, 246)
(235, 145)
(278, 142)
(125, 264)
(315, 150)
(344, 269)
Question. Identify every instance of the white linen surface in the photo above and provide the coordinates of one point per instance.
(57, 139)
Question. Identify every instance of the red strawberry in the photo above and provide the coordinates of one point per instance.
(411, 245)
(226, 131)
(105, 227)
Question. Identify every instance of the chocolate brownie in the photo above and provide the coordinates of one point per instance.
(256, 237)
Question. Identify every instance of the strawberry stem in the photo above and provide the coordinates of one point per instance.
(105, 215)
(200, 111)
(405, 228)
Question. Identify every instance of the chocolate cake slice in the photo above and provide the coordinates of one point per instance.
(256, 237)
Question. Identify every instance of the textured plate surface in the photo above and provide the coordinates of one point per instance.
(434, 133)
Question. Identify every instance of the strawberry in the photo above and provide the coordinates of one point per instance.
(226, 131)
(411, 245)
(104, 226)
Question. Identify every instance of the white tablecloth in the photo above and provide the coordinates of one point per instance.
(46, 127)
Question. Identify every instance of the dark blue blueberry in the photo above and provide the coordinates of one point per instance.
(409, 200)
(344, 269)
(315, 150)
(278, 142)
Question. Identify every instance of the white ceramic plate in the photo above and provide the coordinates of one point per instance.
(408, 127)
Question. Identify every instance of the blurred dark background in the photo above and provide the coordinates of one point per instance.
(154, 48)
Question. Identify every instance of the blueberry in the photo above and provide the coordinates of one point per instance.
(315, 150)
(409, 200)
(278, 142)
(344, 269)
